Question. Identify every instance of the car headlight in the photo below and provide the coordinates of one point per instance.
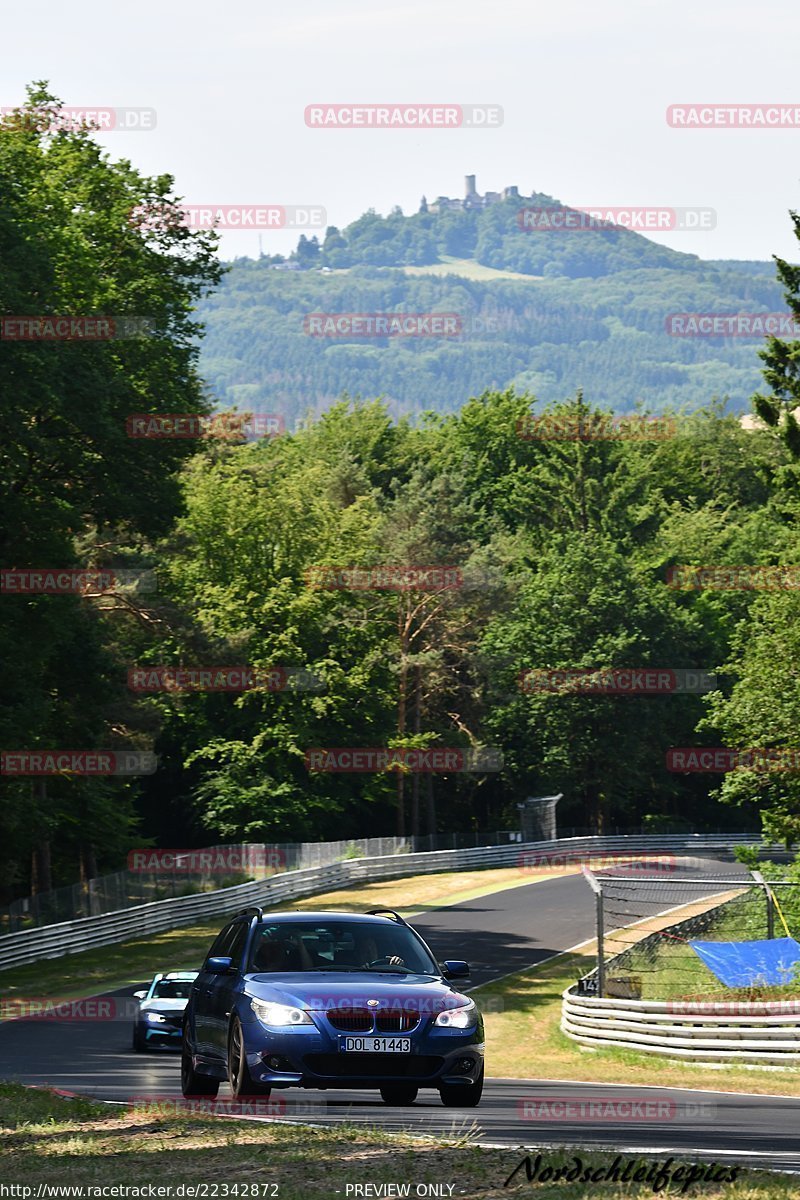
(280, 1015)
(155, 1017)
(458, 1018)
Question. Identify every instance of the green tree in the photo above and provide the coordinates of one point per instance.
(782, 363)
(77, 490)
(587, 607)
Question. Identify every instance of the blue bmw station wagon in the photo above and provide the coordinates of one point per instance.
(330, 1000)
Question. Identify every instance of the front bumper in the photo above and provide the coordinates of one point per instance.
(311, 1056)
(164, 1035)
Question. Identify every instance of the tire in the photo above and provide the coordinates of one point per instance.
(399, 1093)
(139, 1045)
(242, 1083)
(462, 1095)
(193, 1084)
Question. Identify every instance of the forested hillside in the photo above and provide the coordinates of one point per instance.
(564, 308)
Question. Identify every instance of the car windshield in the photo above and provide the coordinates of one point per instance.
(339, 946)
(172, 989)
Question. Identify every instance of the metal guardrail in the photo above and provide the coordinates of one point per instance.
(71, 937)
(754, 1032)
(240, 863)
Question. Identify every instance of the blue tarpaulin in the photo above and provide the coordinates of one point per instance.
(742, 964)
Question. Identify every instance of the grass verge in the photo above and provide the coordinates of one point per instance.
(47, 1139)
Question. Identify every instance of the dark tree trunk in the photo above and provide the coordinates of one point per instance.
(41, 871)
(431, 806)
(88, 862)
(415, 776)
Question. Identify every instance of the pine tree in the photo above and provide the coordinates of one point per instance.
(782, 359)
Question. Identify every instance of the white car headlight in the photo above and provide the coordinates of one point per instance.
(156, 1017)
(279, 1015)
(458, 1018)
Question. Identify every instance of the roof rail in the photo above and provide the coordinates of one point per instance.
(252, 908)
(378, 912)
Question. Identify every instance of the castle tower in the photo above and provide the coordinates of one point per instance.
(469, 187)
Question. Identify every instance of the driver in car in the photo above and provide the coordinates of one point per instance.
(369, 953)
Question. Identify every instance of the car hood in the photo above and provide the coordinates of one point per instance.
(332, 989)
(163, 1005)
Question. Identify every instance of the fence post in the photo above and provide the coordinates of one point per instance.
(759, 878)
(597, 888)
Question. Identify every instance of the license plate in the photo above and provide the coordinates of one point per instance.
(376, 1045)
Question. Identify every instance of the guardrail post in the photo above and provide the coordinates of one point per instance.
(759, 878)
(596, 886)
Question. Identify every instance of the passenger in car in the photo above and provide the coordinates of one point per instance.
(269, 956)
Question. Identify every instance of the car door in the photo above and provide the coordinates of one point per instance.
(203, 992)
(223, 990)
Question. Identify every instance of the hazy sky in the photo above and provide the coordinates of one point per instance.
(584, 88)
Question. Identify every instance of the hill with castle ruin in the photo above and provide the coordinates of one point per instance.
(544, 307)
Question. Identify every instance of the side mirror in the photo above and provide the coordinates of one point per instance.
(139, 995)
(455, 968)
(218, 966)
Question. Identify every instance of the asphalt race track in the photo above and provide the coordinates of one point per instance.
(500, 934)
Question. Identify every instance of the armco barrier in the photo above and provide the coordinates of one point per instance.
(141, 884)
(70, 937)
(759, 1032)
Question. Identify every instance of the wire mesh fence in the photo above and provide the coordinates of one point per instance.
(644, 927)
(162, 875)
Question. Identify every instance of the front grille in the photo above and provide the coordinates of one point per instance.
(360, 1020)
(394, 1022)
(350, 1020)
(370, 1066)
